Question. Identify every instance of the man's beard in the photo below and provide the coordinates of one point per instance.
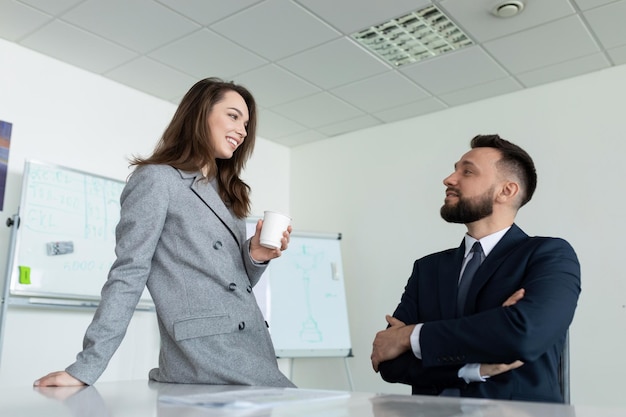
(468, 210)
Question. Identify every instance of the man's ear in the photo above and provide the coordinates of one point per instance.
(508, 192)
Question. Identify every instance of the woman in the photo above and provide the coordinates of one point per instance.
(182, 234)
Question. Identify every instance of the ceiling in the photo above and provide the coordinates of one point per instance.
(310, 79)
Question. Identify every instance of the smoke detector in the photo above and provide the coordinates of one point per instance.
(508, 8)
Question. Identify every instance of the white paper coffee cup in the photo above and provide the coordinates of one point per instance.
(274, 224)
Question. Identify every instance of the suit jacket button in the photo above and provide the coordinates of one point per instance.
(249, 288)
(232, 286)
(217, 245)
(242, 325)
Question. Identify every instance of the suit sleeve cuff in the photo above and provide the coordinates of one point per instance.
(471, 373)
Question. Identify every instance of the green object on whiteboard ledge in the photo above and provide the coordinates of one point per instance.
(24, 274)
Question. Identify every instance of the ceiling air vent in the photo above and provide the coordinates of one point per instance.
(413, 37)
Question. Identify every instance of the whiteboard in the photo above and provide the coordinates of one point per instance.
(302, 295)
(65, 242)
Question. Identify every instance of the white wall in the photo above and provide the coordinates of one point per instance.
(382, 189)
(70, 117)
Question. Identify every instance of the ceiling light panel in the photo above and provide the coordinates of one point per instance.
(413, 37)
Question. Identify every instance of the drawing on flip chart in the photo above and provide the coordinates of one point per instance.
(306, 261)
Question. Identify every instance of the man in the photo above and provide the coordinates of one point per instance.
(505, 339)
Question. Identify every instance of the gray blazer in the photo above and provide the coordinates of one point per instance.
(179, 239)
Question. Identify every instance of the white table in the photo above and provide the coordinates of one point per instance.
(145, 399)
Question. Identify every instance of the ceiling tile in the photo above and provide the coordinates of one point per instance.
(154, 78)
(297, 139)
(272, 125)
(77, 47)
(344, 62)
(213, 56)
(18, 20)
(317, 110)
(608, 24)
(380, 92)
(350, 16)
(272, 85)
(476, 18)
(351, 125)
(206, 12)
(481, 92)
(590, 4)
(460, 69)
(414, 109)
(310, 79)
(618, 55)
(563, 70)
(545, 45)
(117, 20)
(53, 7)
(256, 28)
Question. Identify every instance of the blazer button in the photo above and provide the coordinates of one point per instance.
(242, 325)
(249, 288)
(232, 286)
(217, 245)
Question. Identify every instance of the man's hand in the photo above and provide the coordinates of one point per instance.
(498, 368)
(514, 298)
(391, 342)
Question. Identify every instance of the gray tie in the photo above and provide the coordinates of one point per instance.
(466, 278)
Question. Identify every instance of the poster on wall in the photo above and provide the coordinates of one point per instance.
(5, 144)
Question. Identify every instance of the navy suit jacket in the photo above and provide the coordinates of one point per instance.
(533, 330)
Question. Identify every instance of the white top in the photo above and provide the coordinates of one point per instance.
(144, 399)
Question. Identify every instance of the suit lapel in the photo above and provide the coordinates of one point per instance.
(514, 237)
(207, 192)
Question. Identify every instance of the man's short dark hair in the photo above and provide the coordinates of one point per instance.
(514, 159)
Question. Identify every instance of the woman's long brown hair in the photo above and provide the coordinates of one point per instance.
(185, 142)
